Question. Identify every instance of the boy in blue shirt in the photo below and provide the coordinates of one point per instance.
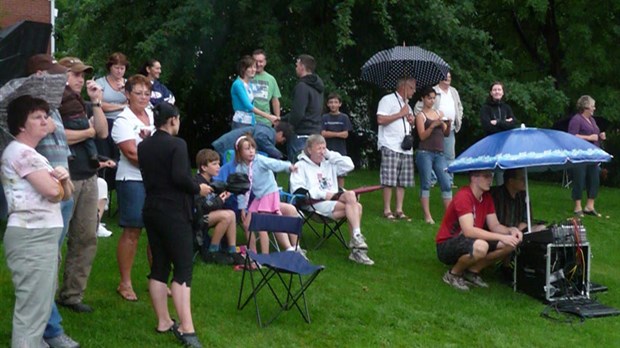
(335, 128)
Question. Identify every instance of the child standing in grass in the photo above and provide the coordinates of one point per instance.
(265, 189)
(335, 128)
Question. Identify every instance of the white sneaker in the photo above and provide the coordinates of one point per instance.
(358, 242)
(103, 232)
(361, 256)
(302, 252)
(62, 341)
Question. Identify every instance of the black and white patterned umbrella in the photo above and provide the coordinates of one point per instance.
(45, 86)
(387, 66)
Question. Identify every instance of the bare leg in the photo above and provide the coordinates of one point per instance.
(400, 196)
(101, 207)
(428, 218)
(446, 203)
(387, 200)
(221, 219)
(181, 295)
(589, 204)
(125, 254)
(480, 249)
(159, 299)
(289, 210)
(577, 205)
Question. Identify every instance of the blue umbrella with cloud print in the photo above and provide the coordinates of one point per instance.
(529, 148)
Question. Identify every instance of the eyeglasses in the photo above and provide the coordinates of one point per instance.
(141, 94)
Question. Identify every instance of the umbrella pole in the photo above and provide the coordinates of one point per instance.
(527, 203)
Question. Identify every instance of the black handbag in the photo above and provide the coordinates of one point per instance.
(407, 143)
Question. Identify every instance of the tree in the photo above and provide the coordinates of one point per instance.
(537, 47)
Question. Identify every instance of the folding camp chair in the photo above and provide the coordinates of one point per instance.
(322, 226)
(294, 272)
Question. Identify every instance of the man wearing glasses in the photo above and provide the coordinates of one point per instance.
(395, 120)
(462, 241)
(82, 234)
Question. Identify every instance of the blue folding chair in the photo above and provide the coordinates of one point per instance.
(323, 227)
(287, 274)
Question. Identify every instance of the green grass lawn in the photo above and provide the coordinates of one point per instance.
(400, 301)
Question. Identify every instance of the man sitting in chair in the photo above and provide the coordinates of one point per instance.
(509, 200)
(317, 173)
(462, 241)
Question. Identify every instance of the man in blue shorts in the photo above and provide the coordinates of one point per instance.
(462, 241)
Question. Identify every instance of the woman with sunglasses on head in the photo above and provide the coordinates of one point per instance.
(132, 125)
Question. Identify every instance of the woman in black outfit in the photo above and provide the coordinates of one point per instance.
(495, 114)
(166, 173)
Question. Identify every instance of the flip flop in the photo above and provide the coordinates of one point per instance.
(592, 212)
(127, 294)
(578, 213)
(389, 215)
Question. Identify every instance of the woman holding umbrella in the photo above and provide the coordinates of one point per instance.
(429, 156)
(583, 126)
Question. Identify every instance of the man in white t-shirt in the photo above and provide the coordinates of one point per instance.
(395, 120)
(447, 101)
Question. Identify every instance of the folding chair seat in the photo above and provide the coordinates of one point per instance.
(323, 227)
(286, 274)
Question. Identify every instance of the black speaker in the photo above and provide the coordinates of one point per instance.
(551, 272)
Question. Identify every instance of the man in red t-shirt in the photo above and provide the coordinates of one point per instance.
(461, 239)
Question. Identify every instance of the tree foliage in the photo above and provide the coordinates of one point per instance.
(546, 51)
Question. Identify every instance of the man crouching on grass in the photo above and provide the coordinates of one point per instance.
(462, 240)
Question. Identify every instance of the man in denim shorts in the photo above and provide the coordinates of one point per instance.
(462, 241)
(395, 119)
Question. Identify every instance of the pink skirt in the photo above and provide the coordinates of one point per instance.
(269, 203)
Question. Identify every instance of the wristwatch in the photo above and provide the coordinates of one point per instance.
(97, 104)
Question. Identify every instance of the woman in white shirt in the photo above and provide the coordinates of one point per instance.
(131, 126)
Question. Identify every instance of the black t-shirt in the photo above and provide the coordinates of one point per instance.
(79, 167)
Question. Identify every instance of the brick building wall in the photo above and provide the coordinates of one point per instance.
(12, 11)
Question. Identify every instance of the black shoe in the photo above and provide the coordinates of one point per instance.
(188, 339)
(76, 307)
(217, 257)
(238, 259)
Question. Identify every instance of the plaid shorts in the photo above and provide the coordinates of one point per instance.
(451, 250)
(396, 169)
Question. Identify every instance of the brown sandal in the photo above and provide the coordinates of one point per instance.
(401, 216)
(389, 215)
(127, 293)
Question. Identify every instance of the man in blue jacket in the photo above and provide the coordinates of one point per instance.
(265, 136)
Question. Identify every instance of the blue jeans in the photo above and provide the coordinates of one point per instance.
(449, 154)
(53, 327)
(295, 146)
(428, 162)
